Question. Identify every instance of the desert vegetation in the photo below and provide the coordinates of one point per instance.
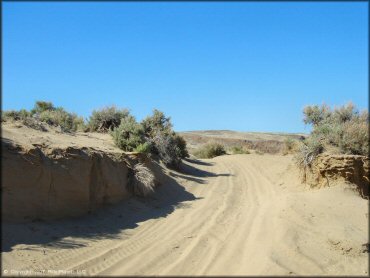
(142, 181)
(210, 150)
(106, 119)
(239, 150)
(153, 135)
(290, 146)
(46, 112)
(338, 130)
(129, 135)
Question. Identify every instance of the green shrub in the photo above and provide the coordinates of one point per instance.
(47, 113)
(59, 117)
(355, 138)
(339, 130)
(42, 106)
(344, 113)
(315, 114)
(129, 135)
(290, 146)
(15, 115)
(158, 122)
(33, 123)
(210, 150)
(239, 150)
(309, 149)
(165, 143)
(167, 149)
(106, 119)
(143, 148)
(181, 145)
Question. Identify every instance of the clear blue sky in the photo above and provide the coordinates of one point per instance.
(241, 66)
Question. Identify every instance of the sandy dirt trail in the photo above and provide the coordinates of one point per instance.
(232, 215)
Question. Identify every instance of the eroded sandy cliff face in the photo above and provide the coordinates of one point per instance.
(49, 175)
(60, 183)
(350, 168)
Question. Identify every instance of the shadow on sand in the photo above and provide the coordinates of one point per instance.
(107, 222)
(189, 172)
(199, 162)
(113, 221)
(188, 169)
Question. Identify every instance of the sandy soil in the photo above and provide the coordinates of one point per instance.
(17, 133)
(232, 215)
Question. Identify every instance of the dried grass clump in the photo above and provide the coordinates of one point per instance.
(142, 183)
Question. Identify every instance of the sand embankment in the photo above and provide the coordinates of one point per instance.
(50, 174)
(331, 168)
(232, 215)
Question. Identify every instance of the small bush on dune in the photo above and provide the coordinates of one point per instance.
(154, 134)
(339, 130)
(47, 113)
(59, 117)
(33, 123)
(142, 182)
(167, 149)
(106, 119)
(210, 150)
(181, 145)
(239, 150)
(355, 138)
(308, 150)
(157, 123)
(143, 148)
(42, 106)
(129, 135)
(15, 115)
(290, 146)
(315, 114)
(164, 142)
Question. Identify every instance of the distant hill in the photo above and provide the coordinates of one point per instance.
(269, 142)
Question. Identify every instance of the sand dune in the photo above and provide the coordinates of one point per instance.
(232, 215)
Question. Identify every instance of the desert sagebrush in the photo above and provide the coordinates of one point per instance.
(341, 130)
(142, 182)
(210, 150)
(106, 118)
(129, 135)
(46, 112)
